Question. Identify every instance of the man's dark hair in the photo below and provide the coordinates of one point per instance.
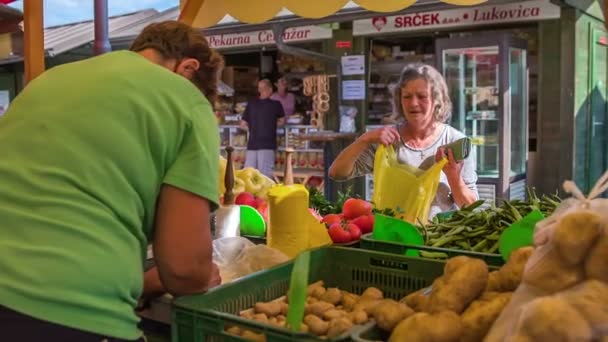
(175, 40)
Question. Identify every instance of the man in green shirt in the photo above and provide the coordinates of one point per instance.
(98, 158)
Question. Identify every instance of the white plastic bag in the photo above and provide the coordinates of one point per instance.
(564, 291)
(237, 257)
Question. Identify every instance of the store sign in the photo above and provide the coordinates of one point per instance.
(465, 16)
(266, 37)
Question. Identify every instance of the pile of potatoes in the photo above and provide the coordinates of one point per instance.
(561, 296)
(329, 312)
(564, 292)
(460, 306)
(463, 303)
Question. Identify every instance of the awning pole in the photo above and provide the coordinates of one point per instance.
(102, 39)
(33, 38)
(190, 10)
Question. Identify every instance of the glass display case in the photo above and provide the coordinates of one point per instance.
(487, 78)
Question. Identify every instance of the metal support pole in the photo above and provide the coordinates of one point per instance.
(101, 44)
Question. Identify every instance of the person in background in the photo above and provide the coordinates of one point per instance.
(421, 97)
(261, 118)
(99, 158)
(287, 99)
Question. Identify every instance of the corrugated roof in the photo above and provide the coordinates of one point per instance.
(59, 39)
(135, 28)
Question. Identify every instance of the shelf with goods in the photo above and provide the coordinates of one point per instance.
(307, 159)
(295, 70)
(387, 59)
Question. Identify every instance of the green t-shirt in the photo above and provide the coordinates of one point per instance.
(84, 150)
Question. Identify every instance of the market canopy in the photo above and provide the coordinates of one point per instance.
(206, 13)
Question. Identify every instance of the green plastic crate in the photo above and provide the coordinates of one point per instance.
(204, 317)
(368, 242)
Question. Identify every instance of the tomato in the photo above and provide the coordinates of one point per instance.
(338, 234)
(365, 223)
(330, 219)
(245, 198)
(354, 208)
(354, 231)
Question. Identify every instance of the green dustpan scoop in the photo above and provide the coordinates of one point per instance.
(298, 285)
(252, 222)
(392, 229)
(519, 234)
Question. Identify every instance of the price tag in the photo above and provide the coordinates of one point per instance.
(233, 130)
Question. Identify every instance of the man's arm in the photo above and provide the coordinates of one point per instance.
(280, 115)
(182, 243)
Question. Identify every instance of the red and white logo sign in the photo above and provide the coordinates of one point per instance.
(466, 16)
(266, 37)
(379, 23)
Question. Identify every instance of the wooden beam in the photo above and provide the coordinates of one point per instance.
(190, 10)
(33, 38)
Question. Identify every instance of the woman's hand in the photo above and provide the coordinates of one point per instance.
(384, 135)
(453, 168)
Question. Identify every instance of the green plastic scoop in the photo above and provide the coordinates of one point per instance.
(251, 222)
(392, 229)
(519, 234)
(298, 284)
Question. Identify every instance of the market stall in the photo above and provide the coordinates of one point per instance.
(494, 104)
(452, 285)
(251, 56)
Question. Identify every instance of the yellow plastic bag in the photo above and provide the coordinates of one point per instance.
(404, 188)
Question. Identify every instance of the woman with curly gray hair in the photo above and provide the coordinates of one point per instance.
(421, 98)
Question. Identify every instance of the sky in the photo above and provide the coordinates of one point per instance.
(59, 12)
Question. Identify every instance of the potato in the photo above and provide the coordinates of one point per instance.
(311, 300)
(464, 279)
(553, 319)
(333, 314)
(234, 331)
(316, 325)
(388, 313)
(248, 314)
(251, 336)
(575, 234)
(338, 327)
(596, 265)
(269, 309)
(367, 305)
(551, 274)
(318, 308)
(349, 300)
(418, 300)
(316, 289)
(318, 292)
(494, 283)
(261, 317)
(590, 299)
(358, 317)
(332, 295)
(304, 328)
(284, 308)
(478, 318)
(509, 276)
(372, 293)
(444, 326)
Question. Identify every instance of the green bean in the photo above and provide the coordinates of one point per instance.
(434, 255)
